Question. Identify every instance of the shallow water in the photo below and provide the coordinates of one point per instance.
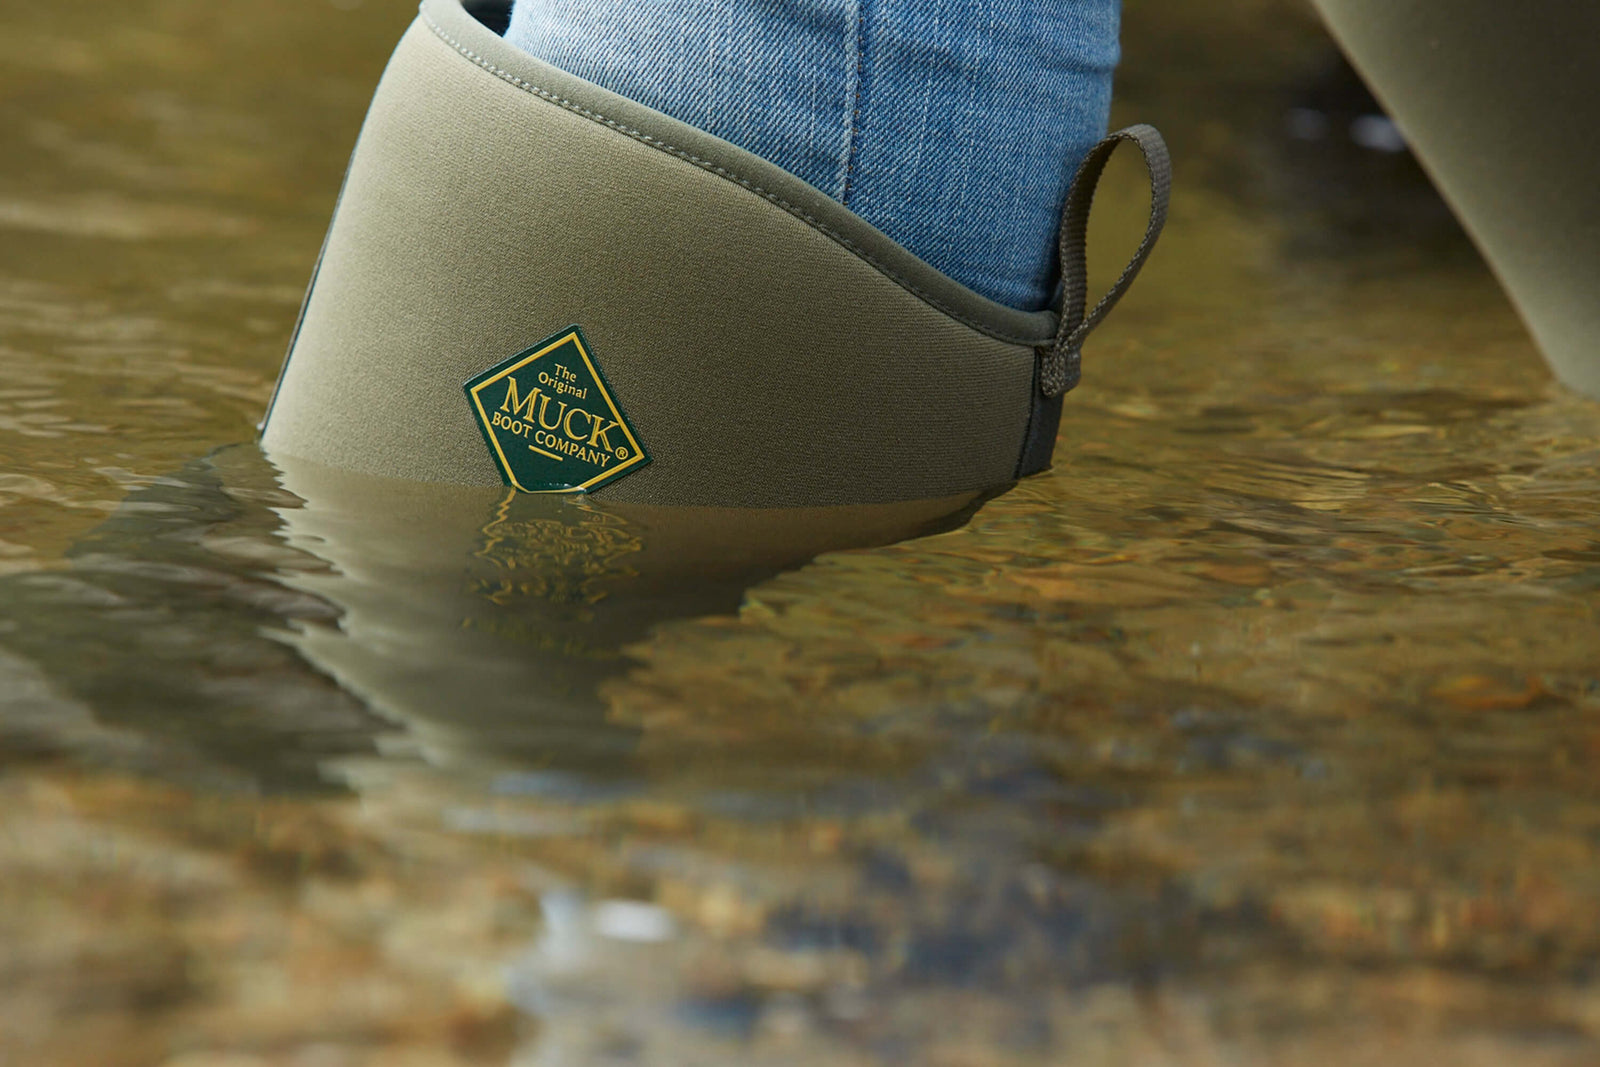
(1261, 730)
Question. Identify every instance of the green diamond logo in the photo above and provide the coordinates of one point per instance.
(552, 422)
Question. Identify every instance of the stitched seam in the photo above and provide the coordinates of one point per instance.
(708, 165)
(854, 63)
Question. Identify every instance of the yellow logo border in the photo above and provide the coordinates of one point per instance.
(572, 334)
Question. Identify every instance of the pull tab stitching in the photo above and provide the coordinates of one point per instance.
(1060, 366)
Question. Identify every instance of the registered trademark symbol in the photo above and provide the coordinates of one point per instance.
(622, 453)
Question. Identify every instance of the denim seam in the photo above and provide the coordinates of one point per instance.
(708, 165)
(854, 45)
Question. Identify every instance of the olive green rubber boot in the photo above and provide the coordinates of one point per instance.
(532, 281)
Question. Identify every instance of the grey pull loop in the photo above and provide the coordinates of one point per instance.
(1060, 363)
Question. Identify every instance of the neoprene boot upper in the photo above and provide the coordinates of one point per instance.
(644, 310)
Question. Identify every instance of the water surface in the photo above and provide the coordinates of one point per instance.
(1263, 729)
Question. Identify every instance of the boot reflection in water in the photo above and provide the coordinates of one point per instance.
(486, 621)
(343, 614)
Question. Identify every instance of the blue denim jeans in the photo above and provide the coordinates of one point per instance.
(952, 125)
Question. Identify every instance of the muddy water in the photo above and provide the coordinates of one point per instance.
(1262, 730)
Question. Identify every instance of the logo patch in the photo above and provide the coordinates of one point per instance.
(550, 420)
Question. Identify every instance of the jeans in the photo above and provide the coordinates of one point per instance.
(952, 125)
